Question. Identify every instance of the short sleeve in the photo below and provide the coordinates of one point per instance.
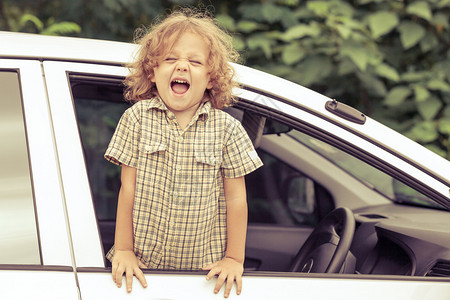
(239, 155)
(123, 147)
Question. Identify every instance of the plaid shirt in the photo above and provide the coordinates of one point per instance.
(179, 215)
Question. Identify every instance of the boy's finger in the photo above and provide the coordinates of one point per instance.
(228, 286)
(119, 275)
(210, 266)
(238, 284)
(220, 281)
(141, 277)
(113, 272)
(129, 277)
(213, 272)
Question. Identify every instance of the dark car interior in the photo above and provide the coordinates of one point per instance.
(312, 236)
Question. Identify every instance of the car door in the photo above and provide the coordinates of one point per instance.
(35, 250)
(98, 102)
(77, 96)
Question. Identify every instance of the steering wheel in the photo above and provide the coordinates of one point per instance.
(325, 250)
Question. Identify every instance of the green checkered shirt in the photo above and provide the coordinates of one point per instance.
(179, 214)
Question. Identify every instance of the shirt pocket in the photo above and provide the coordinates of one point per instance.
(208, 164)
(148, 148)
(208, 158)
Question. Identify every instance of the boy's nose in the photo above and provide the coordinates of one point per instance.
(182, 67)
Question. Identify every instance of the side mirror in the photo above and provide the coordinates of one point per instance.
(300, 196)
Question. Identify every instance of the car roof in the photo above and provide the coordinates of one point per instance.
(25, 45)
(74, 49)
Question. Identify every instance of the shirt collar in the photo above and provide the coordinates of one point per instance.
(157, 103)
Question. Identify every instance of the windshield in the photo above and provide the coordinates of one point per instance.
(369, 175)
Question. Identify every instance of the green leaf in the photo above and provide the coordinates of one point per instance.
(33, 19)
(369, 1)
(420, 9)
(439, 85)
(320, 8)
(428, 109)
(373, 85)
(443, 3)
(271, 13)
(444, 126)
(289, 19)
(260, 42)
(346, 66)
(356, 52)
(343, 30)
(388, 72)
(289, 2)
(429, 42)
(300, 31)
(382, 22)
(421, 93)
(314, 69)
(397, 95)
(441, 20)
(226, 22)
(415, 76)
(424, 132)
(238, 43)
(62, 28)
(446, 112)
(410, 34)
(292, 54)
(251, 11)
(247, 26)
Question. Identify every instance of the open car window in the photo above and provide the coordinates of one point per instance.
(279, 194)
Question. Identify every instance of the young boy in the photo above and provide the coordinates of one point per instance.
(182, 202)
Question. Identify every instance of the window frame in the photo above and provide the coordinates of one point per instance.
(48, 204)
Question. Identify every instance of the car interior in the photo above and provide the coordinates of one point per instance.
(295, 222)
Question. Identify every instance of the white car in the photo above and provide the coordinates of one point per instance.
(374, 204)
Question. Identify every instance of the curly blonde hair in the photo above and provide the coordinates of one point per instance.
(157, 42)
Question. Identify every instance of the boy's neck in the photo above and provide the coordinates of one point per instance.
(184, 117)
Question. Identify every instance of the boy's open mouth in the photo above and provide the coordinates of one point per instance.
(179, 86)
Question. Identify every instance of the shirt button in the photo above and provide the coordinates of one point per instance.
(147, 148)
(178, 168)
(212, 159)
(180, 139)
(175, 195)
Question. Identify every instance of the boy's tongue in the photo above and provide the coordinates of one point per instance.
(179, 88)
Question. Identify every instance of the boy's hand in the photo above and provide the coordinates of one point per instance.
(125, 261)
(227, 269)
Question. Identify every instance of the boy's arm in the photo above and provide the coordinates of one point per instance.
(124, 260)
(230, 268)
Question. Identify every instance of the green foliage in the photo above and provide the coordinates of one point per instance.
(18, 19)
(391, 59)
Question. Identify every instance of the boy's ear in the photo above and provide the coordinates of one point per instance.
(210, 85)
(152, 78)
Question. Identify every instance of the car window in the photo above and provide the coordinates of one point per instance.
(270, 195)
(379, 181)
(18, 231)
(99, 105)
